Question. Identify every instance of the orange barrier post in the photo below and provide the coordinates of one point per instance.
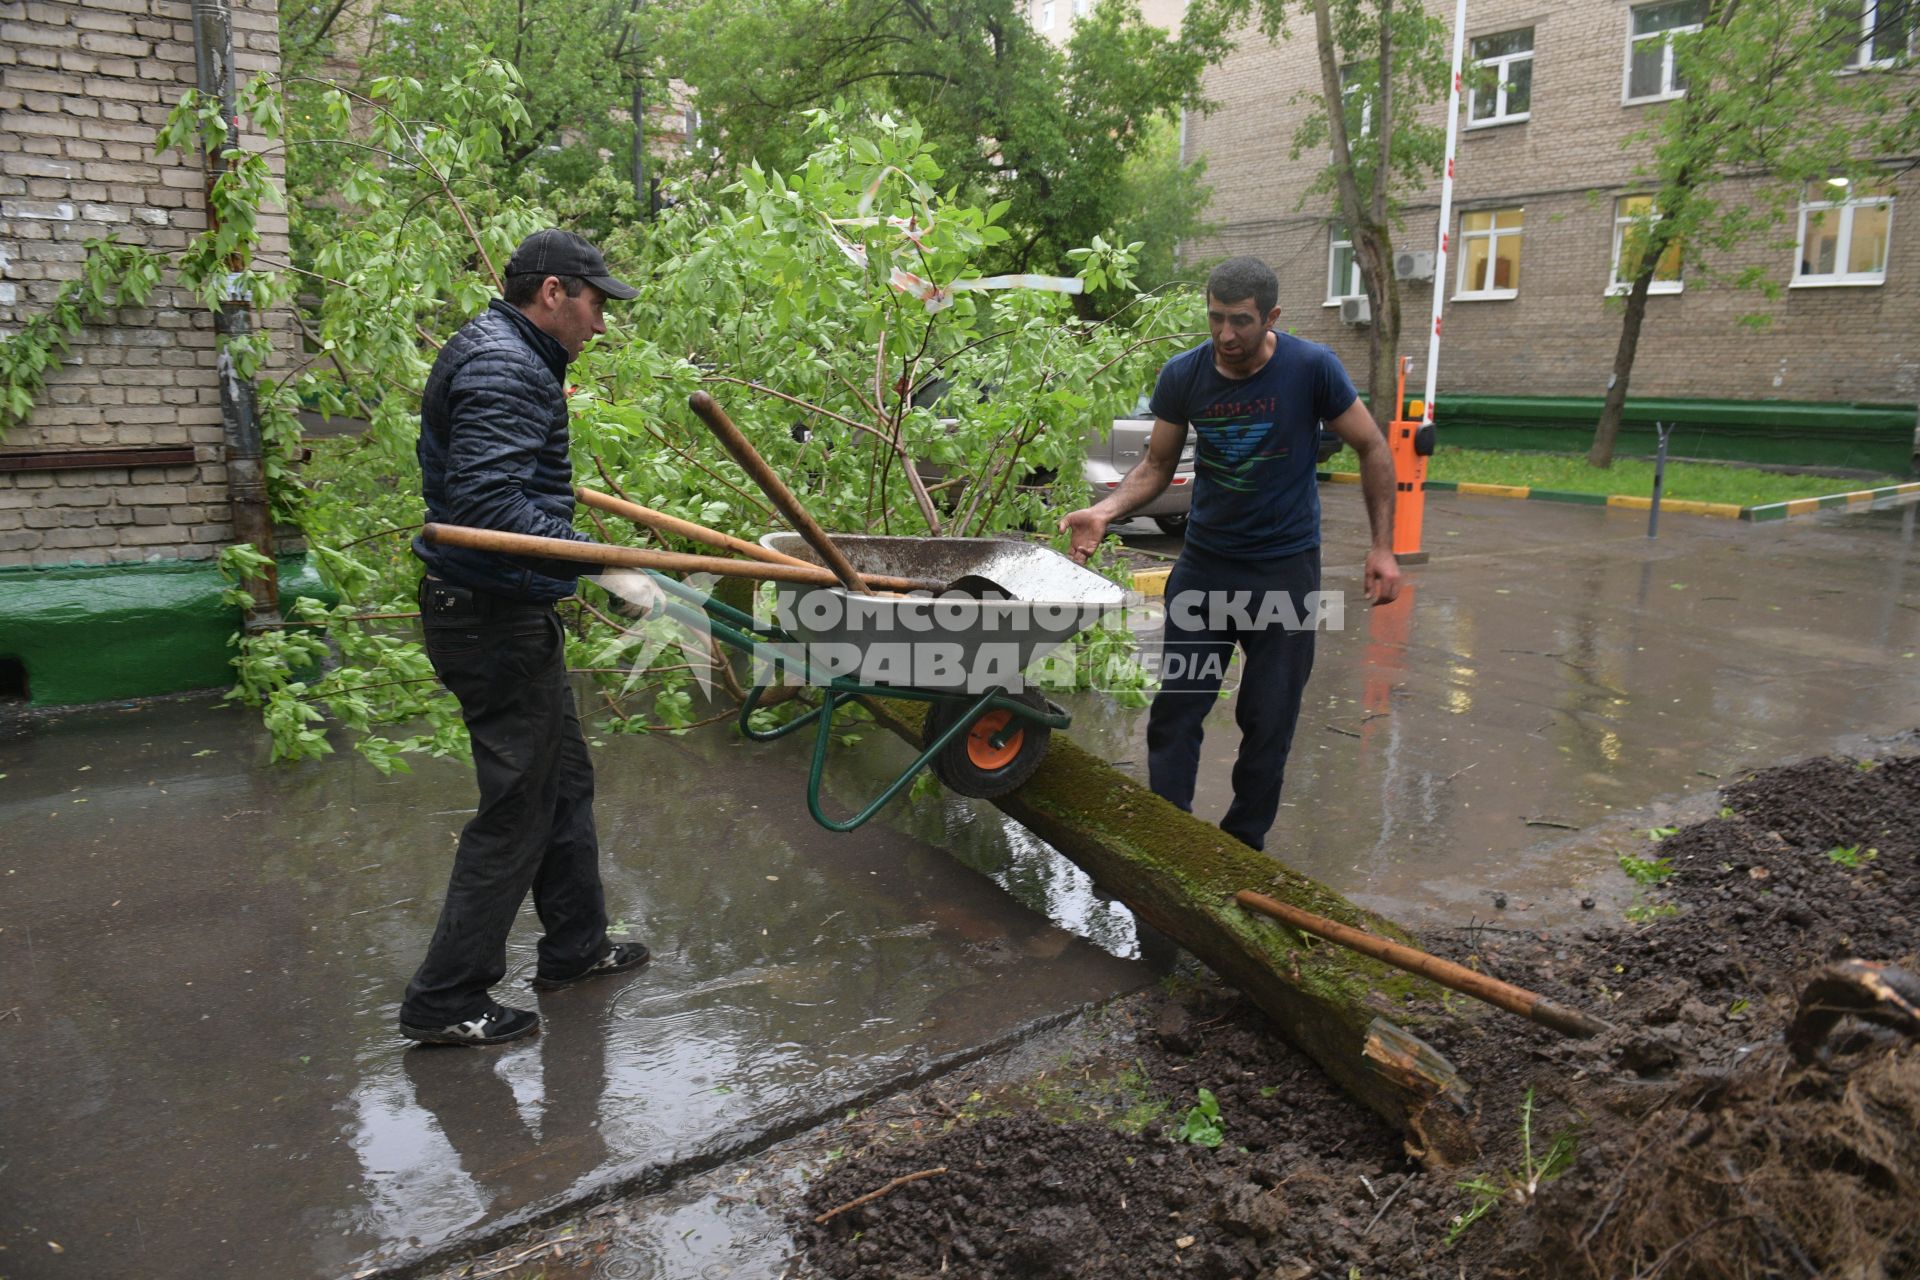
(1411, 442)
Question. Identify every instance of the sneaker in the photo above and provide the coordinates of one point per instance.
(497, 1026)
(623, 956)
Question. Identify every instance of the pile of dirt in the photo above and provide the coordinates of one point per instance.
(1700, 1146)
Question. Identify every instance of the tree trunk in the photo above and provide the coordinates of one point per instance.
(642, 196)
(1383, 349)
(1366, 216)
(1658, 239)
(1601, 454)
(1383, 337)
(1354, 1016)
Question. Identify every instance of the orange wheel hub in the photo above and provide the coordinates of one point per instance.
(981, 751)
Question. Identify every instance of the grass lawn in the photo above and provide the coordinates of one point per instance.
(1569, 473)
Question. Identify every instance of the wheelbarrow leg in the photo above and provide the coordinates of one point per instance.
(816, 775)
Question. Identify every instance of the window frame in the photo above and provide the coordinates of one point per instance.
(1501, 62)
(1667, 68)
(1844, 246)
(1863, 59)
(1046, 14)
(1337, 236)
(1347, 89)
(1493, 235)
(1616, 287)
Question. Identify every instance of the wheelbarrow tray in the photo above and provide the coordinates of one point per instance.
(948, 642)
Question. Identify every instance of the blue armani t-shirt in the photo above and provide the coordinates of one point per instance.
(1254, 494)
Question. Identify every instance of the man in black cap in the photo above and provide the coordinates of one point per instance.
(493, 455)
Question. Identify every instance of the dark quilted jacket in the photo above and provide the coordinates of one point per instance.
(493, 453)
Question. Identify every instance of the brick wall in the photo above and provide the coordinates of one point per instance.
(84, 87)
(1564, 167)
(1159, 13)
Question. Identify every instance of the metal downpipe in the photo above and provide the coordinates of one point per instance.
(239, 420)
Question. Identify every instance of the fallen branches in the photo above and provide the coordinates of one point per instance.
(871, 1196)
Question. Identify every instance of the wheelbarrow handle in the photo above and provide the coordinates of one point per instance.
(770, 484)
(526, 544)
(687, 529)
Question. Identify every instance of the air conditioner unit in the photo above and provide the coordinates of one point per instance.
(1355, 311)
(1411, 264)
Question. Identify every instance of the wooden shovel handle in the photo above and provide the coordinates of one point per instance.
(1529, 1005)
(526, 544)
(686, 528)
(770, 484)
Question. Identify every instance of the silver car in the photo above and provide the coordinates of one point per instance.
(1113, 452)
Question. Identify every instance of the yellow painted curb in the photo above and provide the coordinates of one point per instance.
(1687, 506)
(1151, 582)
(1630, 502)
(1344, 477)
(1494, 490)
(1800, 506)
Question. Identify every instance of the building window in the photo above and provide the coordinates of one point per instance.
(1502, 88)
(1489, 254)
(1887, 30)
(1356, 98)
(1651, 74)
(1343, 268)
(1843, 238)
(1633, 216)
(1046, 15)
(1080, 7)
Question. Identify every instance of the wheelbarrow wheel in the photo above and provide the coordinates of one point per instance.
(975, 763)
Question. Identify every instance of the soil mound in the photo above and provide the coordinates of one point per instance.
(1687, 1143)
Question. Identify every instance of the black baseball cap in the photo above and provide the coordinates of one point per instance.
(554, 252)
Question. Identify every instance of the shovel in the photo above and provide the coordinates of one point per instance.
(974, 585)
(664, 523)
(770, 484)
(1535, 1008)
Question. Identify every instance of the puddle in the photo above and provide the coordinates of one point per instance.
(1556, 665)
(204, 955)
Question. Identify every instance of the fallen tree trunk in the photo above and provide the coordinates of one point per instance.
(1351, 1014)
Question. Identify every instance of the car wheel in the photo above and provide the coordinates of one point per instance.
(1171, 524)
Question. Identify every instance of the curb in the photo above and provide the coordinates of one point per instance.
(1856, 499)
(1859, 498)
(1151, 582)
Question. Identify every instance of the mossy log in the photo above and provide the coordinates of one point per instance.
(1354, 1016)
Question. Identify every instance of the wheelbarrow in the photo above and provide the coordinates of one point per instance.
(963, 619)
(985, 732)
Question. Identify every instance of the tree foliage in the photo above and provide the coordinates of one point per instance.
(112, 274)
(1008, 115)
(830, 298)
(1772, 109)
(575, 62)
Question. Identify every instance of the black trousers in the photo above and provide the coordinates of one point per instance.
(505, 661)
(1214, 603)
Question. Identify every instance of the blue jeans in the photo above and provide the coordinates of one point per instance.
(1194, 654)
(505, 661)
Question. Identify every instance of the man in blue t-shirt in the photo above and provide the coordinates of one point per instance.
(1256, 399)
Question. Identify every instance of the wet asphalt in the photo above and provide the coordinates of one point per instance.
(201, 955)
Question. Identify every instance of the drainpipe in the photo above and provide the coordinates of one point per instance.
(246, 470)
